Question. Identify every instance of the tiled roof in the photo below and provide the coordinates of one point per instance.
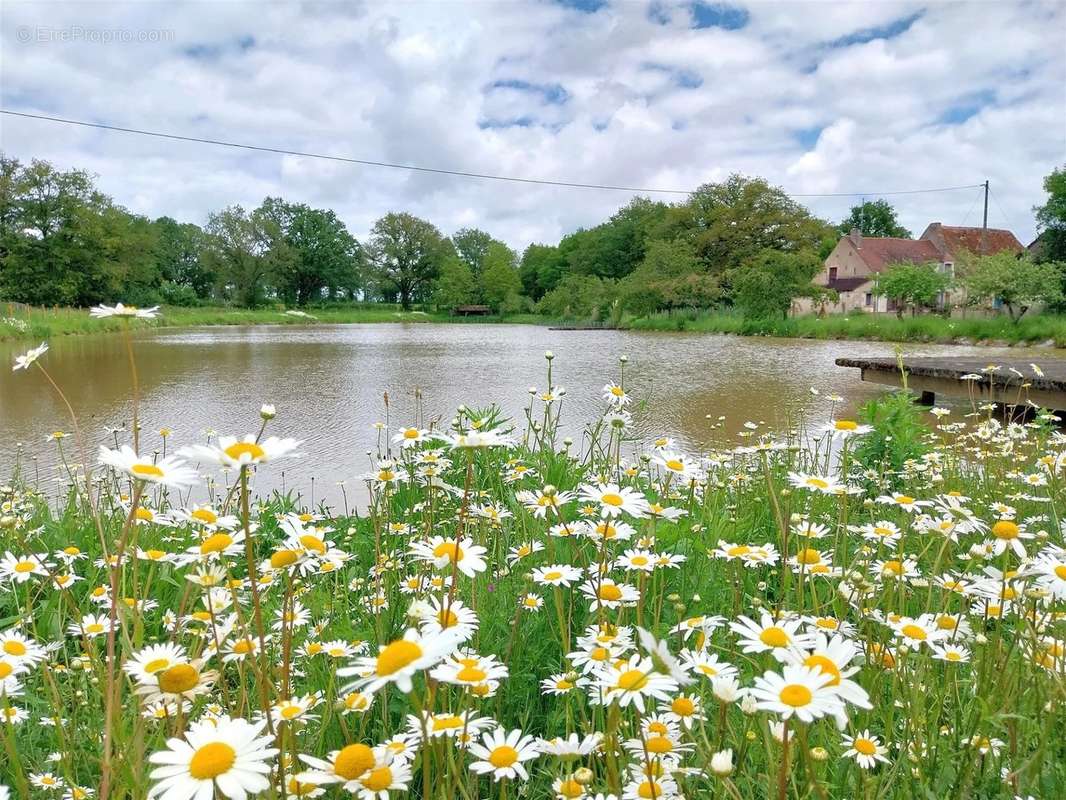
(878, 253)
(974, 240)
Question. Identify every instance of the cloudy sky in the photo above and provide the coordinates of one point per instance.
(816, 97)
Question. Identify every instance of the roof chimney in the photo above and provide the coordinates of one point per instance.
(856, 237)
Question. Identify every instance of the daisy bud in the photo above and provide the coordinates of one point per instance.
(549, 490)
(749, 705)
(727, 690)
(568, 441)
(679, 608)
(268, 411)
(750, 736)
(786, 492)
(584, 776)
(673, 598)
(981, 639)
(532, 390)
(623, 359)
(722, 763)
(8, 521)
(696, 598)
(548, 354)
(819, 753)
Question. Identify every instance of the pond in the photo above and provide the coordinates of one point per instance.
(328, 383)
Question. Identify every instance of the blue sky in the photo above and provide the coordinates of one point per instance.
(817, 97)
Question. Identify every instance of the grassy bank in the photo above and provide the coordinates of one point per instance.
(994, 330)
(22, 322)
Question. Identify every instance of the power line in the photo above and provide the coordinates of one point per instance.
(433, 170)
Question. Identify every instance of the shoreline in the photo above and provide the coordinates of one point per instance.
(1037, 332)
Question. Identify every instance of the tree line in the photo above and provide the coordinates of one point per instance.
(739, 242)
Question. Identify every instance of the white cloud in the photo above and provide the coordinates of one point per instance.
(817, 97)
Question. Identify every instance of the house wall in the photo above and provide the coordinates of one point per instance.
(846, 260)
(850, 302)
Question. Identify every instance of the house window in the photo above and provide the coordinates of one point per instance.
(832, 273)
(869, 298)
(948, 268)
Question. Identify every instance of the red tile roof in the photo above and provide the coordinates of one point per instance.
(879, 252)
(954, 240)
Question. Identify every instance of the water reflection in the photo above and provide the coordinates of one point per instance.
(327, 382)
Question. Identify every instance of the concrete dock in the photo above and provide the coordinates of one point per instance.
(1014, 383)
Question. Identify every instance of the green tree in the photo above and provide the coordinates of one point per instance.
(911, 285)
(499, 280)
(456, 285)
(731, 222)
(874, 218)
(315, 255)
(669, 276)
(406, 253)
(616, 247)
(242, 251)
(60, 237)
(1018, 282)
(541, 269)
(179, 253)
(472, 245)
(579, 296)
(766, 287)
(1051, 218)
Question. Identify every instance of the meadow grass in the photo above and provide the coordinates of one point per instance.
(803, 615)
(882, 327)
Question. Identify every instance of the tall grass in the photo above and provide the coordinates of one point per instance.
(884, 327)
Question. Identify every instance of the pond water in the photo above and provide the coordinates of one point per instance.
(327, 382)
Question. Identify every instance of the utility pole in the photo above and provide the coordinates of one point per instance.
(984, 224)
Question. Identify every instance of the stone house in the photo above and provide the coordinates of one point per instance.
(853, 266)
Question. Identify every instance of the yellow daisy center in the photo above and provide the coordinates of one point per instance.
(396, 656)
(378, 780)
(612, 499)
(914, 632)
(284, 558)
(250, 450)
(14, 648)
(156, 665)
(212, 760)
(845, 425)
(503, 756)
(774, 637)
(215, 543)
(826, 665)
(864, 746)
(609, 592)
(205, 515)
(179, 678)
(451, 550)
(683, 707)
(632, 680)
(1005, 529)
(146, 471)
(353, 761)
(795, 695)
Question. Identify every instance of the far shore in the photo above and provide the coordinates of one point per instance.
(1046, 331)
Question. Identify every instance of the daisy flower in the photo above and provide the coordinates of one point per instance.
(26, 360)
(615, 395)
(615, 500)
(167, 471)
(798, 691)
(343, 766)
(572, 747)
(398, 661)
(119, 310)
(1008, 533)
(229, 756)
(843, 428)
(608, 594)
(409, 437)
(556, 575)
(237, 453)
(21, 568)
(630, 681)
(826, 484)
(769, 635)
(501, 754)
(865, 748)
(444, 552)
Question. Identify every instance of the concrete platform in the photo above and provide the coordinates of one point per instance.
(1015, 383)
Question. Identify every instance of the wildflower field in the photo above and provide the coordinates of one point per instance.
(863, 609)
